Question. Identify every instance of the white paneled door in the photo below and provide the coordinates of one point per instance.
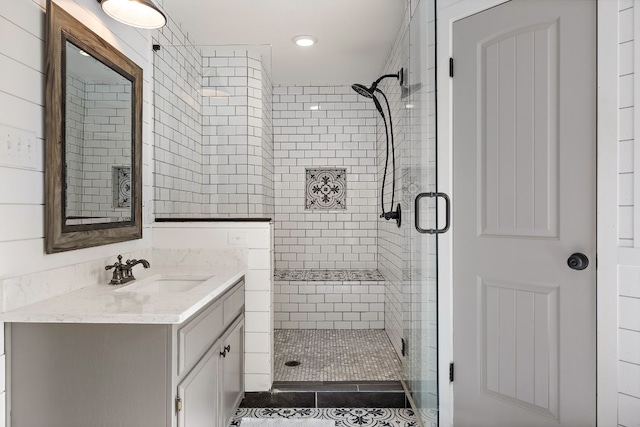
(524, 203)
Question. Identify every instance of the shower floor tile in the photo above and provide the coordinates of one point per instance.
(335, 355)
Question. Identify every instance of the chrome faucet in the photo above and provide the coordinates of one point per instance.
(123, 273)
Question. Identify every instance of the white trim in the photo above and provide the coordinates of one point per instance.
(607, 214)
(448, 12)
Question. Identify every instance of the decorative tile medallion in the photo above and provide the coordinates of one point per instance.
(121, 186)
(326, 189)
(343, 417)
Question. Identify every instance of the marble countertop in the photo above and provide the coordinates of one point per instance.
(128, 303)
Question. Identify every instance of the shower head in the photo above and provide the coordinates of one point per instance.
(362, 90)
(367, 93)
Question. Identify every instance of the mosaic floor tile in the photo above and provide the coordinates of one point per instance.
(326, 189)
(335, 355)
(343, 417)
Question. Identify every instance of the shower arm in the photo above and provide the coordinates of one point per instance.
(399, 75)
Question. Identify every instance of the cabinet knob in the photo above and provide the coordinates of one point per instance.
(227, 349)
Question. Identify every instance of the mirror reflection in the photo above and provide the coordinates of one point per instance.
(93, 131)
(97, 141)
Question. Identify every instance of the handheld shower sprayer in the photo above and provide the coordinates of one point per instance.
(370, 92)
(367, 93)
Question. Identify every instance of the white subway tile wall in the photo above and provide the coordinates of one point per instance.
(324, 127)
(333, 304)
(393, 260)
(266, 197)
(177, 151)
(237, 137)
(214, 145)
(628, 275)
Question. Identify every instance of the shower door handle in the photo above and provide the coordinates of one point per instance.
(447, 214)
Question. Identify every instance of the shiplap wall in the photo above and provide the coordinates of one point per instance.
(628, 214)
(22, 106)
(22, 44)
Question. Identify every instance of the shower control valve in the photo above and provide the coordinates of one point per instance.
(397, 215)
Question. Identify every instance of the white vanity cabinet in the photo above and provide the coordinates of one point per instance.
(130, 375)
(232, 373)
(218, 377)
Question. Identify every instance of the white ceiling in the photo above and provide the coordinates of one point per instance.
(354, 36)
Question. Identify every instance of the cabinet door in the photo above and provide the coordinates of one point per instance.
(232, 371)
(199, 390)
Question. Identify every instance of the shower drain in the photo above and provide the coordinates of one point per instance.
(292, 363)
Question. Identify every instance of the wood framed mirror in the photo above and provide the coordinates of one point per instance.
(93, 131)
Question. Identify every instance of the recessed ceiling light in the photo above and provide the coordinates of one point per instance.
(305, 41)
(314, 107)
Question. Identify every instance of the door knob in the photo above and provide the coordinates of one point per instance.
(578, 261)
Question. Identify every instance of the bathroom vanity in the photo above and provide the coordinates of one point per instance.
(165, 350)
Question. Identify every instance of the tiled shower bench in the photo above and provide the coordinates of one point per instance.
(328, 299)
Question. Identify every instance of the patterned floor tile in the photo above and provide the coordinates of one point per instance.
(343, 417)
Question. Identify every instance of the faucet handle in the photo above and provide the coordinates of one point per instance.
(116, 265)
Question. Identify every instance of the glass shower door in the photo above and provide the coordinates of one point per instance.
(420, 182)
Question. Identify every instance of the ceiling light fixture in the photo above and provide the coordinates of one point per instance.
(137, 13)
(305, 41)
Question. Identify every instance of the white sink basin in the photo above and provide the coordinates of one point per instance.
(159, 283)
